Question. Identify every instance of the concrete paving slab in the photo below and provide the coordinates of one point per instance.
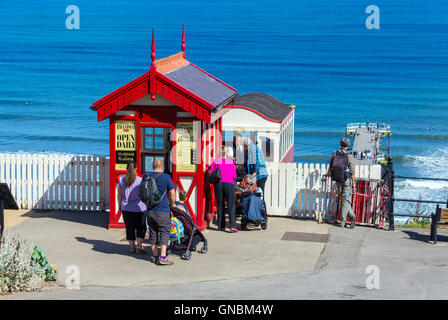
(81, 239)
(410, 268)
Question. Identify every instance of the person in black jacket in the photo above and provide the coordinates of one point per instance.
(345, 188)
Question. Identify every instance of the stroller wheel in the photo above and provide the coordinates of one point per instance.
(204, 250)
(186, 255)
(264, 225)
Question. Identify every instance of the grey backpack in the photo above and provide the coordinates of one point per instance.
(149, 193)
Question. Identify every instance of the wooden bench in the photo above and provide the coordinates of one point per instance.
(440, 217)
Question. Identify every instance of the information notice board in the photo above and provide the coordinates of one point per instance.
(186, 147)
(125, 143)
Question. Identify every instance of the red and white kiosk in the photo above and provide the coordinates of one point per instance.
(172, 112)
(175, 112)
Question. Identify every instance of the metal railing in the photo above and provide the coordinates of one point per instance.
(356, 125)
(390, 177)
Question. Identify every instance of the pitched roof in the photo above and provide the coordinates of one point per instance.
(202, 84)
(264, 104)
(177, 80)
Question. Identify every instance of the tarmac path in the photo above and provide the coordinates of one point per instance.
(409, 266)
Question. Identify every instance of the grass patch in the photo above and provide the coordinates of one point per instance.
(416, 224)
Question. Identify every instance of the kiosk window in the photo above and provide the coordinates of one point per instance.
(155, 145)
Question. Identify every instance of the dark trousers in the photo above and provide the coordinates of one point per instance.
(225, 191)
(261, 183)
(135, 224)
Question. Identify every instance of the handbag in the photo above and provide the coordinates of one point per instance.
(215, 176)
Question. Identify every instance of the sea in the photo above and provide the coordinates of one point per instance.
(316, 54)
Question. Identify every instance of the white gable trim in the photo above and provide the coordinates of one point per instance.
(246, 120)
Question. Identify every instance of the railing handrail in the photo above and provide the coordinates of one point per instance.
(371, 125)
(420, 178)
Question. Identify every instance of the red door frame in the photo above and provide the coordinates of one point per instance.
(198, 176)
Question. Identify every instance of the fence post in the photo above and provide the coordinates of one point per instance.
(391, 179)
(2, 219)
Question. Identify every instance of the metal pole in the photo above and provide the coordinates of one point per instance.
(419, 201)
(2, 219)
(391, 189)
(421, 178)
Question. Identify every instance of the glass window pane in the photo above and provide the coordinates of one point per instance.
(149, 144)
(148, 163)
(158, 143)
(148, 131)
(158, 131)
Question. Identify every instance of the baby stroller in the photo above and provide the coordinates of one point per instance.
(250, 204)
(192, 235)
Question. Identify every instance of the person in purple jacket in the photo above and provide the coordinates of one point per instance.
(132, 208)
(225, 189)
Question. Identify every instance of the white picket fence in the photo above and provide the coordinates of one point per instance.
(56, 182)
(81, 183)
(297, 189)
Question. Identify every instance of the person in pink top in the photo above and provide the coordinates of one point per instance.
(225, 188)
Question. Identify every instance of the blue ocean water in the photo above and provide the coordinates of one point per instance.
(316, 54)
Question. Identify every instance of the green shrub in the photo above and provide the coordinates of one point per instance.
(40, 263)
(16, 272)
(420, 221)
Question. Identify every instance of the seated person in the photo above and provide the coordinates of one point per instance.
(251, 199)
(247, 186)
(181, 203)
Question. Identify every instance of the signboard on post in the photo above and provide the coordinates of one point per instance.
(125, 143)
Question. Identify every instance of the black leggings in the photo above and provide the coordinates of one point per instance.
(135, 224)
(225, 191)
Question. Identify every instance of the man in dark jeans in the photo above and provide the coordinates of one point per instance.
(256, 166)
(159, 217)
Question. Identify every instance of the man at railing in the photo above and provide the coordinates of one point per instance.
(342, 171)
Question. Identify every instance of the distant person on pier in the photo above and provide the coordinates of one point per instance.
(342, 171)
(132, 208)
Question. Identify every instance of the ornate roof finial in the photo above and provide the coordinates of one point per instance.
(152, 69)
(183, 38)
(153, 49)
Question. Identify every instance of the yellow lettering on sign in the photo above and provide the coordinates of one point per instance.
(125, 143)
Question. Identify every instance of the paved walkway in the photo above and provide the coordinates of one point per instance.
(262, 266)
(103, 259)
(363, 142)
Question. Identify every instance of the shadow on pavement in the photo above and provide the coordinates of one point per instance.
(424, 237)
(95, 219)
(114, 248)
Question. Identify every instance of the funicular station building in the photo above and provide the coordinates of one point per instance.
(177, 112)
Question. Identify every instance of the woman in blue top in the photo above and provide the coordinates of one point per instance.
(132, 208)
(256, 165)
